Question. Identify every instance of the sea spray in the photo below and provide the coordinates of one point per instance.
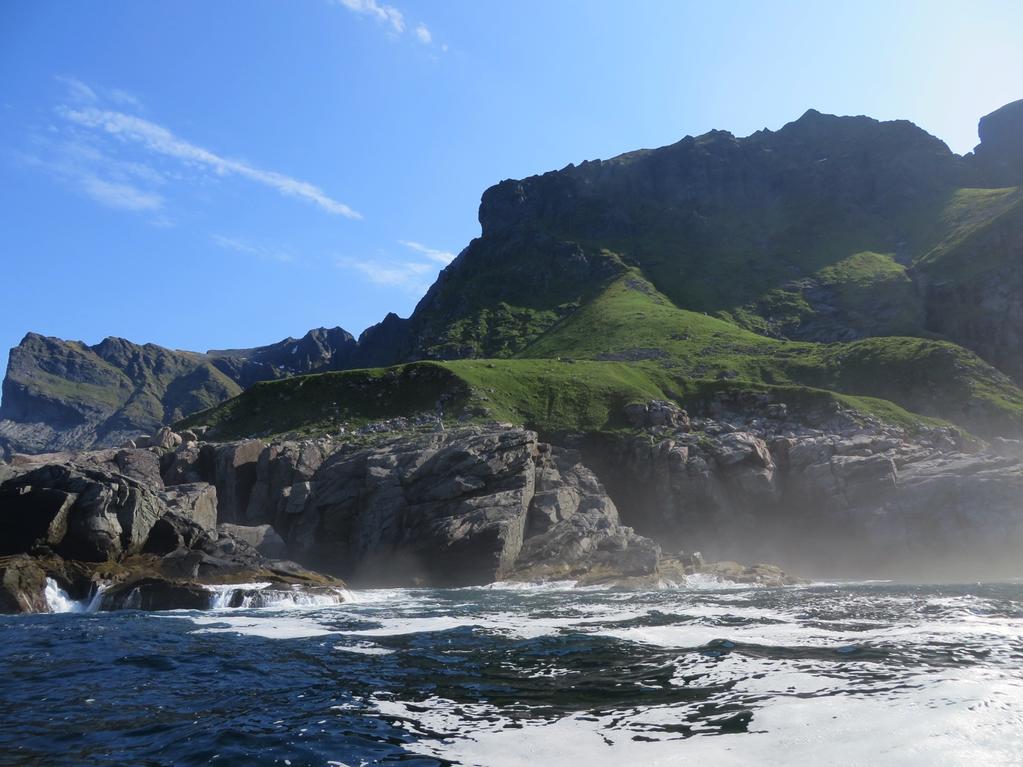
(59, 601)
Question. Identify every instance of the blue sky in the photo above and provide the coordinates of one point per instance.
(225, 174)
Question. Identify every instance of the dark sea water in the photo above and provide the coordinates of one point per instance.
(865, 674)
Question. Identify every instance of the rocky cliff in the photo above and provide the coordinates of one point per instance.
(103, 526)
(437, 508)
(830, 492)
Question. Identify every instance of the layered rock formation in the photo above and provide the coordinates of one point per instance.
(456, 507)
(836, 493)
(445, 508)
(106, 518)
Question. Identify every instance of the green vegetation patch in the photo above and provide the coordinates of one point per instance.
(326, 402)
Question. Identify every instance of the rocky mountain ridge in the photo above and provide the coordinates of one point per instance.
(831, 231)
(66, 395)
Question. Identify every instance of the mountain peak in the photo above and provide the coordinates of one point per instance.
(1000, 152)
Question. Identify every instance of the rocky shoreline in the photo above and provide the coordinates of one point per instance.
(746, 480)
(157, 526)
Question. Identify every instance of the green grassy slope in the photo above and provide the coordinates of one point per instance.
(552, 396)
(630, 343)
(630, 321)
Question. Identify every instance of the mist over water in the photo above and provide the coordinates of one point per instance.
(842, 674)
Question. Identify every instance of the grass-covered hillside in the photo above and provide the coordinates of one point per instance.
(630, 343)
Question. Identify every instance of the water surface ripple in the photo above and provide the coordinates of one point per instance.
(843, 674)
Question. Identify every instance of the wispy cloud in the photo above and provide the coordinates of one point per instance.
(87, 169)
(249, 249)
(440, 256)
(390, 17)
(79, 92)
(127, 162)
(410, 276)
(159, 140)
(117, 195)
(386, 14)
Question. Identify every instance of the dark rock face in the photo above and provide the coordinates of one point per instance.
(973, 293)
(156, 594)
(79, 513)
(22, 585)
(462, 507)
(842, 494)
(81, 522)
(262, 538)
(1000, 152)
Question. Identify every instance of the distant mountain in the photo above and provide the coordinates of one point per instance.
(67, 395)
(838, 253)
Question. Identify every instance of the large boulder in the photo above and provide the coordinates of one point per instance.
(22, 585)
(235, 467)
(79, 513)
(262, 538)
(197, 502)
(143, 466)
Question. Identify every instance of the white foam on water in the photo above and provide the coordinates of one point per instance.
(963, 720)
(59, 601)
(275, 627)
(542, 586)
(517, 625)
(364, 648)
(222, 594)
(707, 582)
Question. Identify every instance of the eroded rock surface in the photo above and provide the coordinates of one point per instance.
(471, 505)
(837, 491)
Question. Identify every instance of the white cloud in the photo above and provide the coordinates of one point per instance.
(440, 256)
(159, 140)
(410, 276)
(102, 178)
(249, 249)
(386, 14)
(77, 91)
(117, 195)
(389, 16)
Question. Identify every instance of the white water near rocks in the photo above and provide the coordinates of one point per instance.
(260, 595)
(58, 600)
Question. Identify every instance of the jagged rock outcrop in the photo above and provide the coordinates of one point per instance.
(999, 155)
(458, 507)
(832, 492)
(81, 522)
(449, 507)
